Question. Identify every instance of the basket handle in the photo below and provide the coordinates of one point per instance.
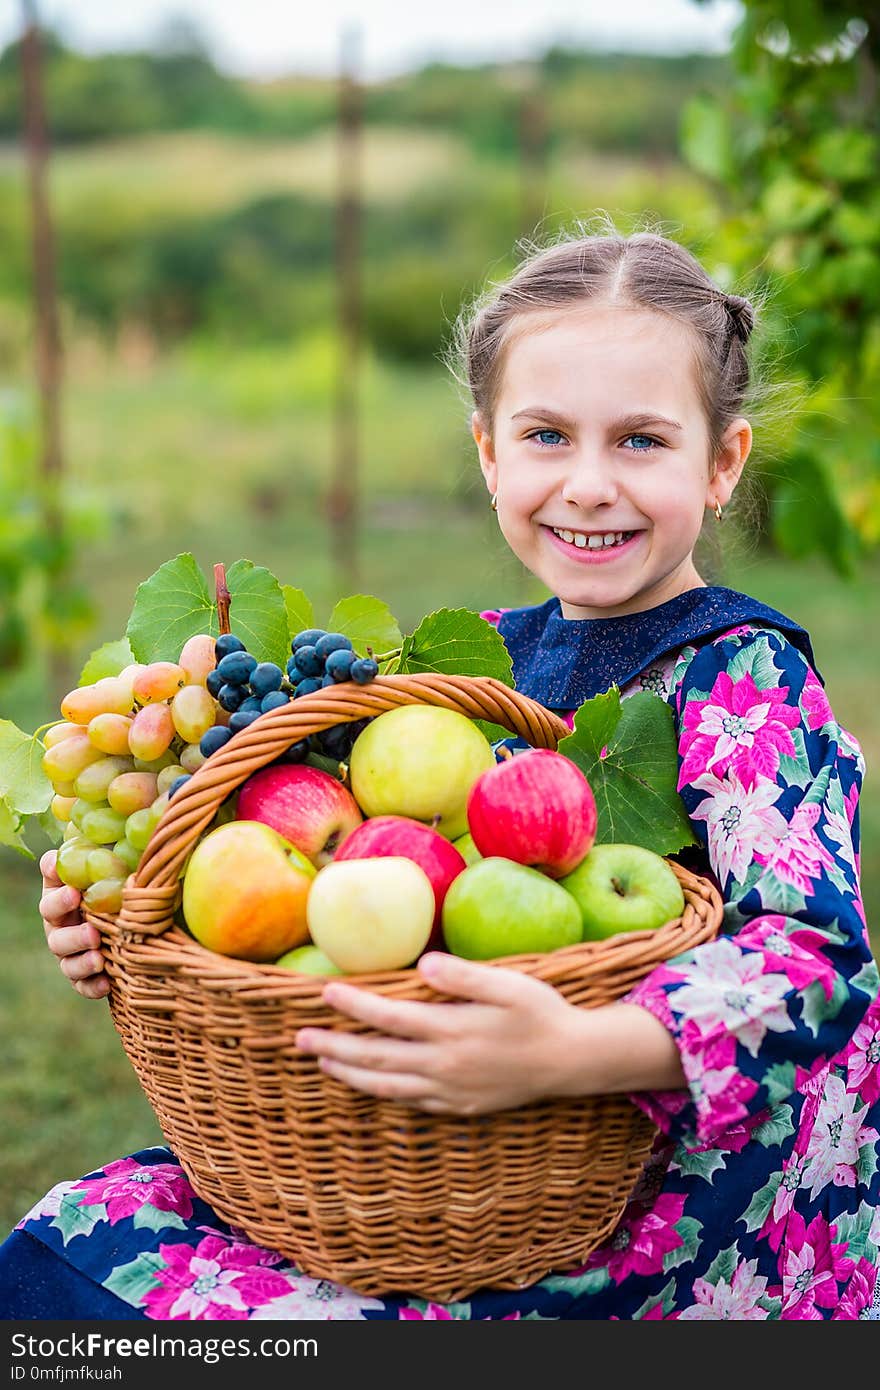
(149, 896)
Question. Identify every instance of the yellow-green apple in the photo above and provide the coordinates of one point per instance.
(382, 836)
(500, 908)
(245, 892)
(621, 888)
(536, 808)
(311, 809)
(419, 761)
(466, 848)
(308, 960)
(371, 914)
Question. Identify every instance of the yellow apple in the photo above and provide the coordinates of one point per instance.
(371, 914)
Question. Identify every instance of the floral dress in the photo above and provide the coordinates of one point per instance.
(761, 1199)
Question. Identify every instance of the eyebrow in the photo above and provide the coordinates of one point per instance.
(627, 422)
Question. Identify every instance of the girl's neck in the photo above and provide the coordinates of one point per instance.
(681, 581)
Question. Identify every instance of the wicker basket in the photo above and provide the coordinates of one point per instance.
(369, 1193)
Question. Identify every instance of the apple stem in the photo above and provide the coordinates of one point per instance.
(436, 819)
(223, 598)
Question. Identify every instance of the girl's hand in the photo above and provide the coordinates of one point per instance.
(508, 1042)
(74, 942)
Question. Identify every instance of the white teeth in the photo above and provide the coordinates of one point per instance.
(593, 541)
(580, 541)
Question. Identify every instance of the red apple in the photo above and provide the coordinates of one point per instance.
(536, 808)
(311, 809)
(401, 837)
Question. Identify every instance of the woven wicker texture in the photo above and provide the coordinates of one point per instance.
(366, 1192)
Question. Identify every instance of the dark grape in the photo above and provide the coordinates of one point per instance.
(242, 718)
(227, 643)
(306, 687)
(292, 671)
(327, 680)
(274, 700)
(296, 753)
(336, 742)
(213, 683)
(332, 642)
(308, 663)
(339, 664)
(177, 784)
(236, 667)
(230, 697)
(307, 638)
(364, 670)
(253, 702)
(265, 678)
(214, 739)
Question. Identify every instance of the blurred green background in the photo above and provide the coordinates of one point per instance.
(196, 260)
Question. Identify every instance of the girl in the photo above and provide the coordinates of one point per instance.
(608, 377)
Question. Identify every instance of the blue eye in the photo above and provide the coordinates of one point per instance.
(538, 435)
(647, 440)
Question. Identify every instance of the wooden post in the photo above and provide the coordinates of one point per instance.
(343, 498)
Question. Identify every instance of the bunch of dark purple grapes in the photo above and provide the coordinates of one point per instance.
(247, 688)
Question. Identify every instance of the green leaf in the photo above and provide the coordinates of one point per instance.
(150, 1218)
(457, 641)
(854, 1230)
(689, 1229)
(75, 1220)
(300, 613)
(10, 830)
(171, 606)
(665, 1300)
(258, 612)
(635, 783)
(723, 1266)
(703, 1164)
(779, 1080)
(108, 660)
(817, 1008)
(759, 1207)
(776, 1127)
(133, 1281)
(367, 621)
(23, 785)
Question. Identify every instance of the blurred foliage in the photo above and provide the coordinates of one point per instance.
(792, 146)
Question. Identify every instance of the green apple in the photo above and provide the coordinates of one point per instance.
(499, 908)
(419, 761)
(371, 914)
(308, 960)
(467, 849)
(621, 888)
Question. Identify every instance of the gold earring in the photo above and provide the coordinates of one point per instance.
(718, 511)
(494, 503)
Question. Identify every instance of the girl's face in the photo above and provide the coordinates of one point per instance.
(600, 457)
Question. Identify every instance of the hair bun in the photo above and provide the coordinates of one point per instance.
(742, 316)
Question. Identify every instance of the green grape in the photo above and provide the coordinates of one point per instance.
(105, 895)
(64, 761)
(79, 809)
(139, 827)
(167, 776)
(72, 832)
(167, 759)
(125, 850)
(191, 758)
(72, 863)
(132, 791)
(103, 825)
(105, 863)
(93, 782)
(61, 807)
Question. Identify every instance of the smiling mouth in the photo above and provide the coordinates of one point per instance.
(593, 540)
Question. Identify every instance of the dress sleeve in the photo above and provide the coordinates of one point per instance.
(771, 784)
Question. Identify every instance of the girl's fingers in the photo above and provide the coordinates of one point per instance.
(47, 868)
(400, 1017)
(95, 987)
(468, 979)
(73, 938)
(82, 966)
(60, 907)
(385, 1085)
(359, 1050)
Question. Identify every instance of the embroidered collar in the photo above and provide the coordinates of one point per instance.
(561, 661)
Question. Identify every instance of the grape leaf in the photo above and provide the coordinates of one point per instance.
(258, 611)
(24, 787)
(10, 829)
(458, 641)
(635, 782)
(171, 606)
(300, 613)
(367, 621)
(108, 660)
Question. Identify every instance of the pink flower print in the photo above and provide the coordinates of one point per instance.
(815, 703)
(855, 1305)
(740, 728)
(127, 1185)
(641, 1241)
(798, 954)
(739, 822)
(434, 1312)
(736, 1301)
(811, 1268)
(216, 1280)
(730, 990)
(48, 1205)
(790, 1183)
(863, 1058)
(837, 1136)
(799, 857)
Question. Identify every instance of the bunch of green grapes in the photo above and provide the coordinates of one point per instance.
(123, 747)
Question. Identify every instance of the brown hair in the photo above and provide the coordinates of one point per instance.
(644, 269)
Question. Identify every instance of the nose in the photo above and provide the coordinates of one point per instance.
(590, 482)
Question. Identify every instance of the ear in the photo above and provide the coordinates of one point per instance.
(486, 451)
(734, 449)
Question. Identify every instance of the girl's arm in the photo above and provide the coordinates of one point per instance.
(771, 784)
